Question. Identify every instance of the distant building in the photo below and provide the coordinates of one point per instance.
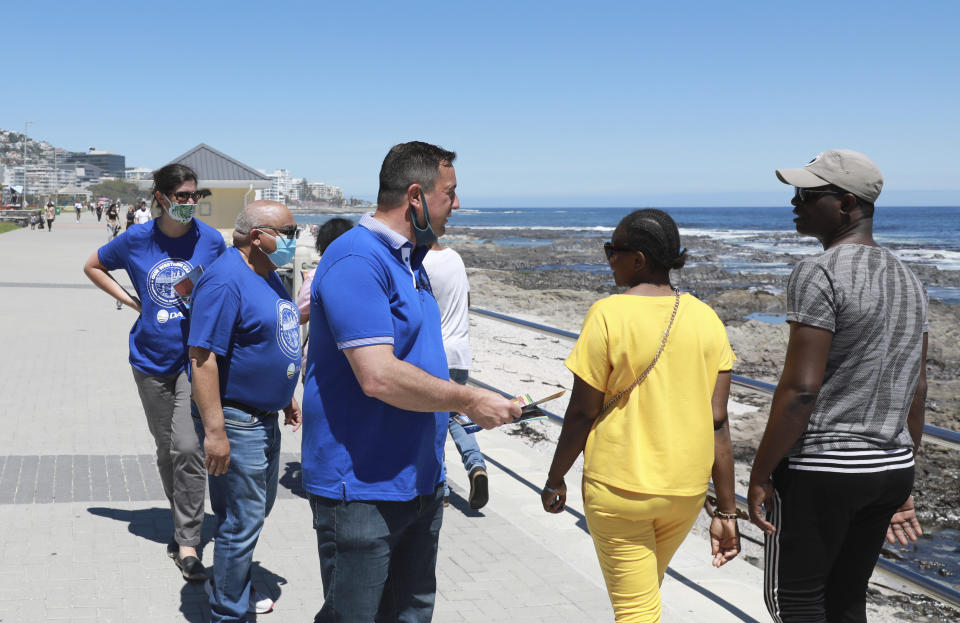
(325, 192)
(137, 174)
(283, 188)
(112, 165)
(232, 184)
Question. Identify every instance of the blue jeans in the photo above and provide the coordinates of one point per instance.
(466, 443)
(378, 560)
(241, 500)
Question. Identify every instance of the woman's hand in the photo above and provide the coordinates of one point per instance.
(724, 540)
(556, 500)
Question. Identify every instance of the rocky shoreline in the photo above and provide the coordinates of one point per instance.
(534, 280)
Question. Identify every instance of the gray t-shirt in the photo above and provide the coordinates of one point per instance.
(877, 310)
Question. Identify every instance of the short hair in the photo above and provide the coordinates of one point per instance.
(330, 231)
(244, 222)
(865, 206)
(415, 162)
(654, 233)
(166, 179)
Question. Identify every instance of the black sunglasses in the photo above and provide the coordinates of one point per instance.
(290, 233)
(803, 195)
(182, 195)
(609, 248)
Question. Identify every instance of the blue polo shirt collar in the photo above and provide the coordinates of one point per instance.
(407, 253)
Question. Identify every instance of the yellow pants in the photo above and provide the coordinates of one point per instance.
(636, 535)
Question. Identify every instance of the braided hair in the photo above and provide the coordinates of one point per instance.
(654, 233)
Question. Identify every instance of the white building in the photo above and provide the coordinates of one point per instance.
(325, 192)
(283, 189)
(136, 174)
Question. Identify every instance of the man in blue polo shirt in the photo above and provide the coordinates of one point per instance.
(245, 350)
(377, 398)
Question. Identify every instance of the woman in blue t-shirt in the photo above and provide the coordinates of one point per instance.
(157, 255)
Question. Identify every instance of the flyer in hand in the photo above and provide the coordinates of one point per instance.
(529, 410)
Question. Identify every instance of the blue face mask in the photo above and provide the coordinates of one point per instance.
(286, 248)
(423, 236)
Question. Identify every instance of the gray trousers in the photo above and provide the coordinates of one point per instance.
(166, 403)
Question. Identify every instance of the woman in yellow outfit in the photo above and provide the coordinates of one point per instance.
(648, 410)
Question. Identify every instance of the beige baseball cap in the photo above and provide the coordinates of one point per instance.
(848, 169)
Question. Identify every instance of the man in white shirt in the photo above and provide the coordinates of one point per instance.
(142, 214)
(448, 278)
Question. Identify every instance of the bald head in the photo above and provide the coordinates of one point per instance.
(260, 214)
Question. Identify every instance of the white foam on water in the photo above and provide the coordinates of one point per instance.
(941, 258)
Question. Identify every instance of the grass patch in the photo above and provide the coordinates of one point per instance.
(5, 227)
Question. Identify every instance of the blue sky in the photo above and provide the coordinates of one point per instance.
(547, 103)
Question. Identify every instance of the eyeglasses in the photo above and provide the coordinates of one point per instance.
(182, 195)
(290, 233)
(803, 195)
(609, 248)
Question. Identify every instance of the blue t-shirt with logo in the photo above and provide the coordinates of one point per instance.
(154, 262)
(253, 326)
(370, 288)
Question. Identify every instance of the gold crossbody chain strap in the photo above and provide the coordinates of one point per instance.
(609, 405)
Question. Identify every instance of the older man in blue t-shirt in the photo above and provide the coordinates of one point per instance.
(377, 398)
(245, 353)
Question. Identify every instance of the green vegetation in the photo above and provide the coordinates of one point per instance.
(5, 227)
(127, 192)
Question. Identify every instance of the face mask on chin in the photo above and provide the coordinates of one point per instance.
(423, 236)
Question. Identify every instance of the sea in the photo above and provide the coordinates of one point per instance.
(920, 235)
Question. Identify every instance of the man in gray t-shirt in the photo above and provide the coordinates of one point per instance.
(834, 470)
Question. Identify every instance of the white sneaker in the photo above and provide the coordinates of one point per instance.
(259, 604)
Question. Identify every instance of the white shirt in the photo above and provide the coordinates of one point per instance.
(448, 278)
(141, 216)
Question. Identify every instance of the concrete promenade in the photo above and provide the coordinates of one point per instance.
(85, 521)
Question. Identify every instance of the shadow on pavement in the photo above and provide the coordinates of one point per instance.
(291, 479)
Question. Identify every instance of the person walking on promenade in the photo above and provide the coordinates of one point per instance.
(835, 467)
(78, 209)
(99, 210)
(155, 258)
(34, 219)
(142, 214)
(649, 412)
(129, 218)
(245, 352)
(451, 288)
(50, 213)
(377, 399)
(113, 222)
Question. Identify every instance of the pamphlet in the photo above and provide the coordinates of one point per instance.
(529, 410)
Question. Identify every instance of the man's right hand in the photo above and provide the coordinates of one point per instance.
(489, 410)
(217, 450)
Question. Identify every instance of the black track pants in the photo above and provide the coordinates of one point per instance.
(830, 527)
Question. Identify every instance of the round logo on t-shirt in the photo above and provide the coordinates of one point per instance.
(161, 278)
(163, 316)
(291, 371)
(288, 328)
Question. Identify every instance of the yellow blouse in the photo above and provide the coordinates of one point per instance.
(659, 438)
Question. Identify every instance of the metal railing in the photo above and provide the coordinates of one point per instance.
(935, 434)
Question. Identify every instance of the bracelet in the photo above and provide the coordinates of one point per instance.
(723, 515)
(547, 488)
